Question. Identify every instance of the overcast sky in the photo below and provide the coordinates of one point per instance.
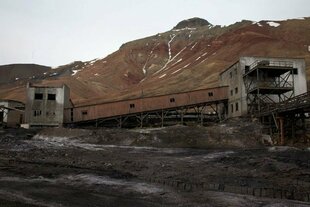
(56, 32)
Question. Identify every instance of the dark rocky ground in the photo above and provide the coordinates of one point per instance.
(221, 165)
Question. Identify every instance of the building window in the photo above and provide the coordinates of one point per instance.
(232, 108)
(236, 90)
(132, 106)
(50, 113)
(230, 74)
(235, 70)
(210, 93)
(37, 112)
(38, 96)
(172, 100)
(84, 112)
(51, 97)
(237, 107)
(231, 92)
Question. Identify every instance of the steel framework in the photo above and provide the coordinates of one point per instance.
(268, 83)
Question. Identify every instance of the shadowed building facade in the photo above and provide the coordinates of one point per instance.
(45, 105)
(257, 83)
(11, 113)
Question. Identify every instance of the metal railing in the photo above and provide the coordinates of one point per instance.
(268, 63)
(271, 84)
(301, 101)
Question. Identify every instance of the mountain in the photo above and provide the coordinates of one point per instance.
(189, 56)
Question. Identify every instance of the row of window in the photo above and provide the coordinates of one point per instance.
(232, 109)
(132, 105)
(39, 113)
(39, 96)
(232, 91)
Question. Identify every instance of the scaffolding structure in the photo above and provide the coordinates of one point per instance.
(268, 83)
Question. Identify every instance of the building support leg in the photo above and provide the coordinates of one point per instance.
(120, 122)
(162, 118)
(281, 130)
(293, 126)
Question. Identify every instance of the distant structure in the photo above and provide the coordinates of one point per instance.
(45, 105)
(11, 113)
(257, 83)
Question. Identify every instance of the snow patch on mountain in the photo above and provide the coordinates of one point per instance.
(74, 72)
(194, 45)
(186, 28)
(162, 76)
(273, 24)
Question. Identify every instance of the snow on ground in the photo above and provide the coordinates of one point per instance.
(185, 66)
(75, 72)
(162, 76)
(169, 45)
(148, 58)
(96, 74)
(190, 34)
(45, 73)
(273, 24)
(177, 62)
(204, 54)
(193, 46)
(170, 60)
(186, 28)
(16, 79)
(53, 74)
(176, 71)
(198, 58)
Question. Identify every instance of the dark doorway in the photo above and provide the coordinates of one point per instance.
(1, 117)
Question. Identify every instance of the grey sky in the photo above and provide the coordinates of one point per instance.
(55, 32)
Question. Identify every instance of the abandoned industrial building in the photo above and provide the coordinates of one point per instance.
(45, 105)
(11, 113)
(252, 86)
(255, 83)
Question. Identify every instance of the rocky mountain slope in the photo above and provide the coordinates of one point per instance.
(189, 56)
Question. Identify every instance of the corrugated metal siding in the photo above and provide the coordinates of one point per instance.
(105, 110)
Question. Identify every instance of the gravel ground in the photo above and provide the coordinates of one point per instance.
(174, 166)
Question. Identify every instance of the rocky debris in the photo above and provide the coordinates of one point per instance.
(124, 167)
(231, 134)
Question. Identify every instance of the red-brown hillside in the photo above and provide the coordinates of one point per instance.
(181, 59)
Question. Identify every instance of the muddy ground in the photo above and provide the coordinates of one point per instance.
(220, 165)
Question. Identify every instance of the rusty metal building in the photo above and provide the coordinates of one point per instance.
(178, 104)
(11, 113)
(45, 105)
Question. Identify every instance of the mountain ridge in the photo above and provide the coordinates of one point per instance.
(176, 60)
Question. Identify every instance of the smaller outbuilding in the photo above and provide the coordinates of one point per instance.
(45, 105)
(11, 113)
